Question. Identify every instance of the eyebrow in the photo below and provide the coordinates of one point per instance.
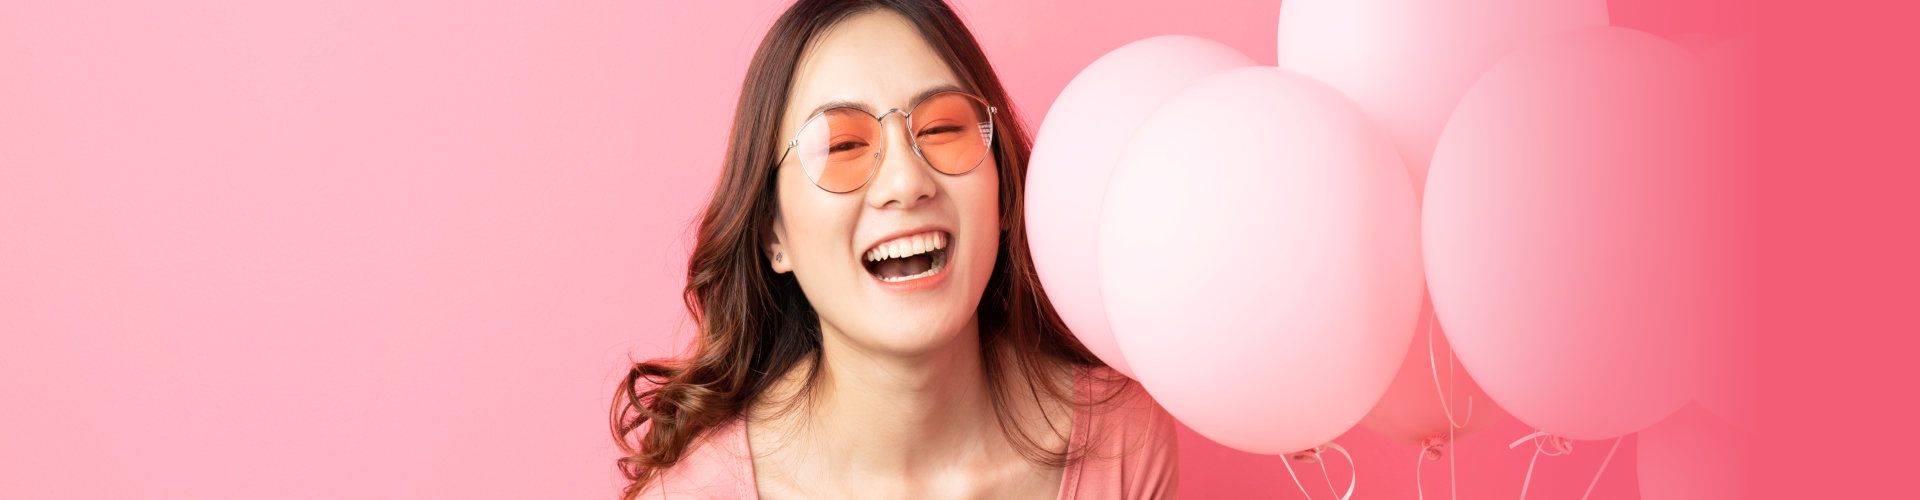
(845, 103)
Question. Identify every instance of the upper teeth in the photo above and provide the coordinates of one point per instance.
(907, 246)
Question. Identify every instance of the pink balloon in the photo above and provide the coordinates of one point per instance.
(1259, 256)
(1407, 62)
(1412, 410)
(1692, 455)
(1075, 153)
(1575, 233)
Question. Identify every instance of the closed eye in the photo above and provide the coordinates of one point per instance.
(940, 130)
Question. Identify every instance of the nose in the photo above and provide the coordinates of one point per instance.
(904, 180)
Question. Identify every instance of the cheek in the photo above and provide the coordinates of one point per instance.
(818, 227)
(987, 196)
(980, 200)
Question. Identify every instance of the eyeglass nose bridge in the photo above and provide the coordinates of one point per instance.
(906, 116)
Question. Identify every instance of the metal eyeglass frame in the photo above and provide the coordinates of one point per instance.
(912, 139)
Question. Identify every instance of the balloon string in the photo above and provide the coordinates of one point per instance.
(1328, 478)
(1420, 486)
(1446, 407)
(1453, 480)
(1452, 470)
(1453, 466)
(1523, 439)
(1353, 470)
(1603, 467)
(1529, 479)
(1561, 446)
(1430, 450)
(1446, 403)
(1288, 462)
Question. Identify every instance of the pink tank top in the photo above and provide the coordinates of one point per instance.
(1133, 455)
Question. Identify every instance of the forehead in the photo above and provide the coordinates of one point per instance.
(876, 60)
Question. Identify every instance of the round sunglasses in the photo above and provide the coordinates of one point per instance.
(840, 148)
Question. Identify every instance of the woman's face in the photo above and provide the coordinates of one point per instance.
(901, 306)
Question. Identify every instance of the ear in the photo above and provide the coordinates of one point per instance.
(774, 240)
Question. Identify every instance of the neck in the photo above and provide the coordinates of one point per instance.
(887, 415)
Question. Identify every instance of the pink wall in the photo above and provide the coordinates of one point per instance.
(378, 249)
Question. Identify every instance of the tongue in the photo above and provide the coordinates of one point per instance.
(904, 266)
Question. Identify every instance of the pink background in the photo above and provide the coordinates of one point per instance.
(380, 249)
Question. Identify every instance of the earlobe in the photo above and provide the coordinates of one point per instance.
(776, 249)
(777, 259)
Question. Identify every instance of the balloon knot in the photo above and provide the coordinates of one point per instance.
(1557, 445)
(1308, 456)
(1431, 447)
(1547, 444)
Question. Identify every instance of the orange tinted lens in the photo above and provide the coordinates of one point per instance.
(954, 131)
(839, 149)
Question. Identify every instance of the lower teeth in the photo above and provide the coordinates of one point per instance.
(939, 261)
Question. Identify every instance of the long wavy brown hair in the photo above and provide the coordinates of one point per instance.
(755, 324)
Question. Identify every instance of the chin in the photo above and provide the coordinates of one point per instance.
(915, 334)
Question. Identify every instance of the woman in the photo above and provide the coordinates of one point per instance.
(870, 324)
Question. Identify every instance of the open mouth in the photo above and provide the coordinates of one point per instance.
(909, 258)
